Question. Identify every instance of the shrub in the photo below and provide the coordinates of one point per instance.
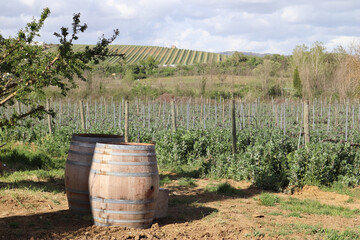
(323, 164)
(265, 163)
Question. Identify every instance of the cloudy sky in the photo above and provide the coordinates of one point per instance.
(263, 26)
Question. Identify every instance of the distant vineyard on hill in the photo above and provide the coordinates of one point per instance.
(164, 55)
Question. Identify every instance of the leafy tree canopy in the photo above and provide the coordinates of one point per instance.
(26, 69)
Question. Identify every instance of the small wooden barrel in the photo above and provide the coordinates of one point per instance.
(78, 166)
(124, 185)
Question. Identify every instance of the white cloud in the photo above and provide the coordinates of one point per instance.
(297, 14)
(122, 10)
(28, 3)
(209, 25)
(341, 41)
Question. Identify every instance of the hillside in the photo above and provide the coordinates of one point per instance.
(164, 55)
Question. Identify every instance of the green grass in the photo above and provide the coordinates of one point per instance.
(344, 235)
(26, 157)
(316, 232)
(34, 180)
(189, 171)
(255, 234)
(39, 174)
(340, 188)
(276, 213)
(17, 199)
(293, 228)
(187, 182)
(325, 233)
(221, 188)
(267, 199)
(294, 214)
(191, 85)
(55, 201)
(175, 201)
(165, 180)
(314, 207)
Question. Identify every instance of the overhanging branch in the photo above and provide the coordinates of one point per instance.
(14, 119)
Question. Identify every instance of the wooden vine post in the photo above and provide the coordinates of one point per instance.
(48, 116)
(173, 115)
(127, 120)
(233, 125)
(82, 117)
(306, 122)
(223, 110)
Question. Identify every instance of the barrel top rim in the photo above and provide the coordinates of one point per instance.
(126, 146)
(130, 144)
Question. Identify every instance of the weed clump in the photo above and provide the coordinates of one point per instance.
(267, 199)
(221, 188)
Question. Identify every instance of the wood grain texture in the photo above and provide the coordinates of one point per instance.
(124, 185)
(77, 169)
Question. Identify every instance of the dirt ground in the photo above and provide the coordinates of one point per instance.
(193, 214)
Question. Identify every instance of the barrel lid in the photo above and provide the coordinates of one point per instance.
(126, 146)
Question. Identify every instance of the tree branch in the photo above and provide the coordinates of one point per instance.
(14, 119)
(52, 62)
(32, 111)
(3, 101)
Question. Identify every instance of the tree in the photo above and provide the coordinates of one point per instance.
(129, 76)
(297, 83)
(26, 69)
(148, 65)
(237, 58)
(265, 71)
(347, 72)
(314, 68)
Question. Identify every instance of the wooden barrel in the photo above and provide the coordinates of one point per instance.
(124, 185)
(78, 166)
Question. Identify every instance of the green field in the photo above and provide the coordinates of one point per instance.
(164, 55)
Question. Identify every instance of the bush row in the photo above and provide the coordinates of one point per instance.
(266, 157)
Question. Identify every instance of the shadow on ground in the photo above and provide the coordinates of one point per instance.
(65, 224)
(187, 203)
(42, 225)
(200, 195)
(53, 185)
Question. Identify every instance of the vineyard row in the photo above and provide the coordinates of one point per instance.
(164, 55)
(333, 121)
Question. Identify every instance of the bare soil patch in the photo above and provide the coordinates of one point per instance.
(194, 213)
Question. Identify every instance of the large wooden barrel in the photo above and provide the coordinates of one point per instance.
(124, 184)
(78, 166)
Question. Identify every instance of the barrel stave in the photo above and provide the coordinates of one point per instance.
(124, 185)
(77, 169)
